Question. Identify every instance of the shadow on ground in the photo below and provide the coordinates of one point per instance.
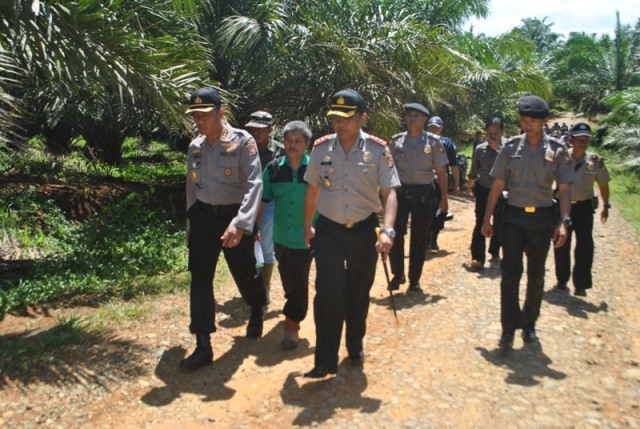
(574, 305)
(319, 400)
(526, 365)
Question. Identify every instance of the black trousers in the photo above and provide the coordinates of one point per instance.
(523, 234)
(582, 219)
(204, 248)
(293, 266)
(478, 241)
(345, 270)
(419, 201)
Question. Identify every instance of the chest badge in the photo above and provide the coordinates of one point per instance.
(326, 182)
(548, 155)
(367, 156)
(427, 149)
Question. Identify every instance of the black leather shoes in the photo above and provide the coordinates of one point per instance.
(256, 322)
(561, 286)
(357, 358)
(414, 287)
(506, 341)
(201, 356)
(529, 335)
(396, 281)
(580, 292)
(321, 371)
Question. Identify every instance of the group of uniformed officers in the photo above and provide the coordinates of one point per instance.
(243, 186)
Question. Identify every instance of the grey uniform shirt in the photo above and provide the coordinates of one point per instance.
(350, 182)
(482, 162)
(588, 170)
(531, 174)
(226, 173)
(417, 158)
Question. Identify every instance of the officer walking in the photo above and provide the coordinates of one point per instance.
(530, 163)
(435, 125)
(350, 174)
(260, 126)
(284, 185)
(589, 168)
(224, 185)
(419, 156)
(479, 183)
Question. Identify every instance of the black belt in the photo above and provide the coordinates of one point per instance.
(354, 225)
(529, 209)
(590, 200)
(218, 209)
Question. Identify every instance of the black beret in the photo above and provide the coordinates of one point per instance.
(533, 107)
(417, 107)
(581, 129)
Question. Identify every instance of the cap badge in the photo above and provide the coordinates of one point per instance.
(197, 100)
(340, 100)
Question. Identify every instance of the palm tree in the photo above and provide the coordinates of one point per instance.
(539, 32)
(101, 69)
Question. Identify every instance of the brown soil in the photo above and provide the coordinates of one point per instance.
(437, 367)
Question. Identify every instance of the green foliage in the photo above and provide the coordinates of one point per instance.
(625, 107)
(625, 142)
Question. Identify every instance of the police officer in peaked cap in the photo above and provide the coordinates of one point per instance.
(351, 177)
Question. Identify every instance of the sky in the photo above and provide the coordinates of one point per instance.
(566, 15)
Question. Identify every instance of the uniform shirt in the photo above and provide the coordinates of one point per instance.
(482, 162)
(226, 173)
(531, 174)
(417, 158)
(350, 182)
(451, 150)
(588, 170)
(287, 188)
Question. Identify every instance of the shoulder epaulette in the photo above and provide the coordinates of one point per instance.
(322, 139)
(378, 140)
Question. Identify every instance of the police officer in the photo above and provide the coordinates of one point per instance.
(260, 126)
(589, 168)
(529, 163)
(350, 174)
(479, 183)
(418, 156)
(284, 185)
(435, 125)
(224, 185)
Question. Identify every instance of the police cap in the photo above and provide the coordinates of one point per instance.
(494, 120)
(580, 129)
(346, 103)
(204, 100)
(533, 107)
(435, 121)
(417, 107)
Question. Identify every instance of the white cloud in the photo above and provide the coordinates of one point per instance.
(566, 15)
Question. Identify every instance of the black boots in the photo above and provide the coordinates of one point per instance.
(256, 320)
(201, 356)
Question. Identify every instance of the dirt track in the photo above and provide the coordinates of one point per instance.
(438, 367)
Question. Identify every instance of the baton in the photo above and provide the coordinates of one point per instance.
(386, 274)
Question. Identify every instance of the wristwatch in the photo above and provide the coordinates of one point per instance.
(566, 220)
(607, 206)
(390, 232)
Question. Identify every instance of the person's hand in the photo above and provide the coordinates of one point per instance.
(384, 244)
(604, 215)
(443, 205)
(309, 234)
(560, 235)
(231, 236)
(487, 229)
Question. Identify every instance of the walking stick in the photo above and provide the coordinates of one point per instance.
(386, 274)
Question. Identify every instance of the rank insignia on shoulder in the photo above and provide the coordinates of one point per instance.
(378, 140)
(225, 134)
(322, 139)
